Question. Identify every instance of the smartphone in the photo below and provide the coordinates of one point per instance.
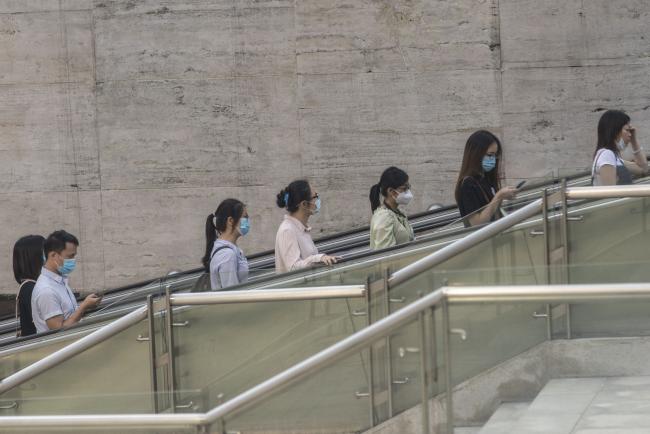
(521, 184)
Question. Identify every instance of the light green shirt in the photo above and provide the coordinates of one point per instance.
(387, 228)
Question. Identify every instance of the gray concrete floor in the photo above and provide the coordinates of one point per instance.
(582, 406)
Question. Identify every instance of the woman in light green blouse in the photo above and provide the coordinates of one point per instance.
(389, 226)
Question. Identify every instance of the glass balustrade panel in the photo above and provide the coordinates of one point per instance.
(116, 367)
(337, 398)
(608, 243)
(222, 350)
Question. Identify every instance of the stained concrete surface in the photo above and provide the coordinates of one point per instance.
(126, 122)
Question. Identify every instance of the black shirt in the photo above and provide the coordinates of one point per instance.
(27, 326)
(475, 193)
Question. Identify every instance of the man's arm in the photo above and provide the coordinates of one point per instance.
(57, 322)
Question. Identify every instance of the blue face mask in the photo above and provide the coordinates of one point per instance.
(317, 209)
(67, 267)
(489, 163)
(244, 226)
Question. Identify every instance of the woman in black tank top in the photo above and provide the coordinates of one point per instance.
(478, 189)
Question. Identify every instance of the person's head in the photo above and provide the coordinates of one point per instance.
(28, 258)
(481, 158)
(613, 131)
(230, 219)
(299, 196)
(60, 249)
(393, 184)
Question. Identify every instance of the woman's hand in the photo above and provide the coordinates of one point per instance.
(507, 193)
(330, 260)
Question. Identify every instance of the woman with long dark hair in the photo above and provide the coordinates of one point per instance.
(389, 226)
(28, 259)
(614, 134)
(478, 188)
(294, 247)
(226, 262)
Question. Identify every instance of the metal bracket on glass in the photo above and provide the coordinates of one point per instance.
(536, 233)
(141, 338)
(579, 218)
(403, 351)
(540, 315)
(461, 332)
(9, 406)
(404, 380)
(359, 312)
(181, 324)
(358, 394)
(398, 300)
(183, 406)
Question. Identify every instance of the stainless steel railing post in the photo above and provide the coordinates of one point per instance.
(389, 355)
(547, 263)
(169, 326)
(152, 353)
(424, 368)
(371, 368)
(446, 348)
(564, 229)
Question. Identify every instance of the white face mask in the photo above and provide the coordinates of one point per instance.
(621, 144)
(404, 198)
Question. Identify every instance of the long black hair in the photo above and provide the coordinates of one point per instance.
(475, 149)
(28, 257)
(609, 128)
(295, 193)
(392, 177)
(218, 222)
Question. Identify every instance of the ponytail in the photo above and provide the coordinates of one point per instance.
(210, 238)
(375, 200)
(218, 223)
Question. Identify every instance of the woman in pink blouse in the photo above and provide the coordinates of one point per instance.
(294, 247)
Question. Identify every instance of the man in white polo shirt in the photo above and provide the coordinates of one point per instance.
(53, 303)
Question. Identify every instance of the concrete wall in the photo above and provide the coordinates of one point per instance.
(126, 122)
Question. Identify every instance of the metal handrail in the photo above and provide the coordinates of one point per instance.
(259, 295)
(360, 339)
(342, 349)
(608, 192)
(103, 333)
(605, 192)
(465, 243)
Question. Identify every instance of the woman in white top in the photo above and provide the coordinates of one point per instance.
(614, 134)
(294, 247)
(226, 262)
(389, 226)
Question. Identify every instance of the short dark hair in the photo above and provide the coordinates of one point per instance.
(57, 240)
(28, 257)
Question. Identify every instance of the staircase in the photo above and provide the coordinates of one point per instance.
(576, 406)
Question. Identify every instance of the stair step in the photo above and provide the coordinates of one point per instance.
(504, 419)
(559, 406)
(467, 430)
